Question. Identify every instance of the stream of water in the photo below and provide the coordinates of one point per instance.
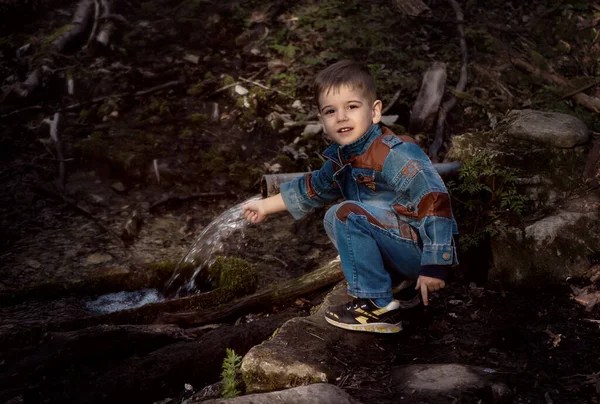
(186, 277)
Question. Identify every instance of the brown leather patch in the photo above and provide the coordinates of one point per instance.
(368, 182)
(344, 211)
(374, 157)
(309, 189)
(435, 204)
(403, 210)
(411, 168)
(407, 231)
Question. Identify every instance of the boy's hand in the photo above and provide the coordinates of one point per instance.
(428, 284)
(254, 211)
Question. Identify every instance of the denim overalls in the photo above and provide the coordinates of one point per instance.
(396, 221)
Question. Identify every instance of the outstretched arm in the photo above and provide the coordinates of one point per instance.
(257, 211)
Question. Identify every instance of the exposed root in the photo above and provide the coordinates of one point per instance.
(435, 146)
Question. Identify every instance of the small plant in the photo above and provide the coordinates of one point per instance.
(229, 375)
(484, 191)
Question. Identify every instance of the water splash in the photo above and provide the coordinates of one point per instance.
(123, 300)
(204, 251)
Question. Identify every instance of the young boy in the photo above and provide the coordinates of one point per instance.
(396, 223)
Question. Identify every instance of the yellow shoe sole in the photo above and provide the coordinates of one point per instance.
(381, 328)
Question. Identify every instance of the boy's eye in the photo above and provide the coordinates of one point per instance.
(352, 106)
(329, 111)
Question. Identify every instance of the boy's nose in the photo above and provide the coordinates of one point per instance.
(341, 116)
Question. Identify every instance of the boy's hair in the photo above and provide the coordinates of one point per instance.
(345, 72)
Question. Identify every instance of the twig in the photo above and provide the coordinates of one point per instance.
(580, 89)
(139, 93)
(18, 111)
(460, 86)
(224, 88)
(266, 88)
(53, 123)
(315, 335)
(391, 103)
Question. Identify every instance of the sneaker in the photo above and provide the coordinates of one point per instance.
(406, 295)
(364, 315)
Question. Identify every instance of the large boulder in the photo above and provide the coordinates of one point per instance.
(553, 248)
(548, 151)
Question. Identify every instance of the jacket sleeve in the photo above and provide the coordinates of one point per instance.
(310, 191)
(423, 197)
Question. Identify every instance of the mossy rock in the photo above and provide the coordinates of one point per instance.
(562, 167)
(233, 273)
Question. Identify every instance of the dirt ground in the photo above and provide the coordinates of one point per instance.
(166, 158)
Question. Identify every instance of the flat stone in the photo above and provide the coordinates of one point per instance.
(301, 352)
(318, 393)
(118, 187)
(241, 90)
(98, 258)
(549, 128)
(424, 381)
(312, 128)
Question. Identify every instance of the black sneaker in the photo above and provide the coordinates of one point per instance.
(364, 315)
(406, 294)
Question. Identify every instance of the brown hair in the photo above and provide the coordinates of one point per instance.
(345, 72)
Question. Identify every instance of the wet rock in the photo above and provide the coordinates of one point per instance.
(98, 258)
(548, 128)
(429, 381)
(313, 394)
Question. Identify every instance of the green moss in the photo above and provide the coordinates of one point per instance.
(198, 118)
(287, 164)
(234, 273)
(186, 133)
(197, 89)
(48, 41)
(228, 80)
(539, 61)
(84, 114)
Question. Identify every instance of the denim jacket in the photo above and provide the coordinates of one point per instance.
(390, 172)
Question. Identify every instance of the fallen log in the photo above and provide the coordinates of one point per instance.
(582, 99)
(327, 275)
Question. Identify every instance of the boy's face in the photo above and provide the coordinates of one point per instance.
(347, 114)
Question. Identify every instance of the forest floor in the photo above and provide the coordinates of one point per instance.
(234, 103)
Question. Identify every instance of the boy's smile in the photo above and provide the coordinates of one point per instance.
(346, 114)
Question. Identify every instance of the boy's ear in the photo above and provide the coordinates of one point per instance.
(376, 111)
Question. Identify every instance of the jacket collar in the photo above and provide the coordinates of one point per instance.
(342, 154)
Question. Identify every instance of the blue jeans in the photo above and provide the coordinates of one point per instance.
(376, 248)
